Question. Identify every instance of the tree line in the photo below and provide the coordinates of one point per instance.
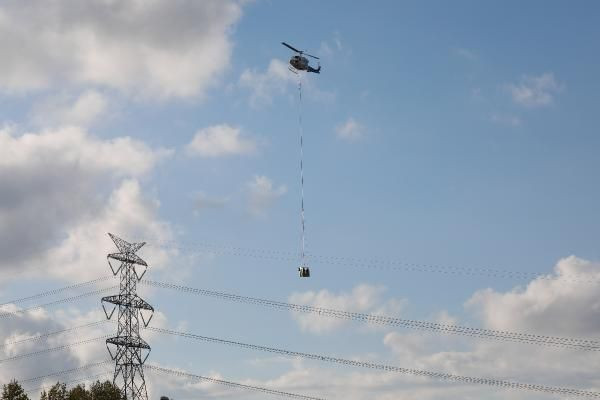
(97, 391)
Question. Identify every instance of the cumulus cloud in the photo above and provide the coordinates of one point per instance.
(438, 353)
(61, 110)
(203, 202)
(350, 130)
(564, 303)
(220, 140)
(72, 187)
(265, 85)
(278, 80)
(363, 298)
(535, 91)
(546, 304)
(155, 48)
(330, 47)
(28, 324)
(262, 193)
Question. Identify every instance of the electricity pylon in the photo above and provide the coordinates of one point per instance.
(130, 351)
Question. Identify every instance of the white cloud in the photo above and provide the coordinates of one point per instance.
(265, 85)
(202, 202)
(61, 191)
(363, 298)
(154, 48)
(129, 214)
(350, 130)
(331, 47)
(535, 91)
(73, 188)
(562, 303)
(30, 324)
(438, 353)
(262, 193)
(220, 140)
(278, 80)
(60, 110)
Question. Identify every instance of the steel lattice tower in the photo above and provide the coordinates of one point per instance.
(130, 351)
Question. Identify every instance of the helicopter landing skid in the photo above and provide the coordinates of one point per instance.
(294, 70)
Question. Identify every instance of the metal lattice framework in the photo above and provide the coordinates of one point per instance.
(129, 350)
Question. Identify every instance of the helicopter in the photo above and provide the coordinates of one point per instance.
(299, 62)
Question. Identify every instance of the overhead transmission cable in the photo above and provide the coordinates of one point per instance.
(236, 385)
(56, 291)
(45, 335)
(370, 263)
(52, 349)
(71, 382)
(519, 337)
(65, 371)
(22, 311)
(390, 368)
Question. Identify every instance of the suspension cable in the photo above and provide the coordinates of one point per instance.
(390, 368)
(518, 337)
(229, 383)
(301, 134)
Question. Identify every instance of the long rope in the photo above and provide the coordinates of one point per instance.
(301, 133)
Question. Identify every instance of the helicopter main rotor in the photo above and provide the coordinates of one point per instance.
(301, 52)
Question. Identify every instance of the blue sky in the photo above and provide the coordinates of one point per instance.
(460, 135)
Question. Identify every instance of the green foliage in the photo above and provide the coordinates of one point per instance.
(58, 392)
(13, 391)
(79, 392)
(105, 391)
(98, 391)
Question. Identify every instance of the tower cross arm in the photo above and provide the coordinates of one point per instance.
(129, 258)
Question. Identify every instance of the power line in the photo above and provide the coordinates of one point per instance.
(56, 302)
(390, 368)
(517, 337)
(369, 263)
(65, 371)
(79, 380)
(56, 291)
(52, 333)
(52, 349)
(231, 384)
